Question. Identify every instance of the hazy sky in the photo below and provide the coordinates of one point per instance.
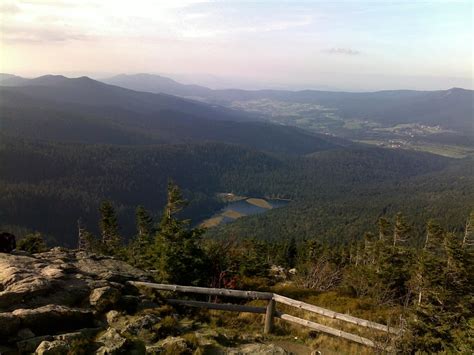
(355, 45)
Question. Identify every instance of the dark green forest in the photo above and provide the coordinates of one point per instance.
(335, 195)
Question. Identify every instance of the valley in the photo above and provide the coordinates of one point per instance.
(403, 119)
(67, 144)
(325, 120)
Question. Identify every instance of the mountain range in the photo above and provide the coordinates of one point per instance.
(452, 108)
(67, 144)
(84, 110)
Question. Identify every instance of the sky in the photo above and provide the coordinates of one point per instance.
(338, 45)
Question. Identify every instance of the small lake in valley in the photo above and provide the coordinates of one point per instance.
(242, 206)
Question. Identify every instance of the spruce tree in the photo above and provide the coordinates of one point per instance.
(109, 228)
(144, 223)
(139, 248)
(401, 230)
(179, 257)
(291, 253)
(468, 238)
(385, 228)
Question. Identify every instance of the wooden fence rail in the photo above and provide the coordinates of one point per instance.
(270, 311)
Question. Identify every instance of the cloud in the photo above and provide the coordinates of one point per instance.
(342, 51)
(24, 34)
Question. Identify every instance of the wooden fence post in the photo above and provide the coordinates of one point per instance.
(269, 317)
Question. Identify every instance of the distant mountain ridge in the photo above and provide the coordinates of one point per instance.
(84, 110)
(451, 108)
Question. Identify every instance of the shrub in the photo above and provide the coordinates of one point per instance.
(32, 243)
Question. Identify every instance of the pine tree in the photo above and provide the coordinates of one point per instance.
(434, 236)
(109, 228)
(144, 223)
(139, 248)
(468, 239)
(82, 243)
(291, 253)
(175, 203)
(178, 255)
(401, 230)
(384, 228)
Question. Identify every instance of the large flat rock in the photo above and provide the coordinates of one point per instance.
(59, 276)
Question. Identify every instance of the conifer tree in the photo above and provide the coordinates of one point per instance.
(139, 249)
(468, 239)
(384, 228)
(434, 236)
(401, 230)
(178, 255)
(144, 223)
(82, 243)
(109, 228)
(291, 253)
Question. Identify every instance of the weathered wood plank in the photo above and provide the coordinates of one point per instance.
(331, 314)
(206, 291)
(326, 329)
(219, 306)
(269, 317)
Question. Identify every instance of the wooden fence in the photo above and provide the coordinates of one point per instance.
(270, 310)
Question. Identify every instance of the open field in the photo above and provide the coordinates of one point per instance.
(450, 151)
(212, 222)
(259, 202)
(232, 214)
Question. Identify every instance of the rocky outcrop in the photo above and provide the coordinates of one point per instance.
(66, 301)
(103, 298)
(45, 296)
(62, 277)
(55, 347)
(53, 318)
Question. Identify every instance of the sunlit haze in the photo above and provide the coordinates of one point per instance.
(339, 45)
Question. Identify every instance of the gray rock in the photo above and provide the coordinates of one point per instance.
(154, 349)
(257, 349)
(173, 345)
(55, 347)
(59, 276)
(9, 324)
(61, 292)
(29, 346)
(144, 322)
(53, 318)
(112, 342)
(25, 333)
(104, 298)
(112, 316)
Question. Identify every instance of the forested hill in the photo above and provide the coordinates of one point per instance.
(48, 186)
(67, 144)
(82, 110)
